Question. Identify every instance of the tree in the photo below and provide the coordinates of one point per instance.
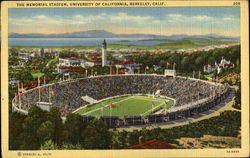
(14, 52)
(66, 146)
(54, 117)
(185, 62)
(132, 137)
(31, 140)
(162, 63)
(237, 99)
(15, 129)
(68, 54)
(24, 76)
(199, 61)
(73, 127)
(96, 135)
(37, 114)
(45, 132)
(119, 140)
(49, 145)
(14, 61)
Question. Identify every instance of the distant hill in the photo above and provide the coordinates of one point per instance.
(106, 34)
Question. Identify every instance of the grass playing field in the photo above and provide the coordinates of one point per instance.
(126, 106)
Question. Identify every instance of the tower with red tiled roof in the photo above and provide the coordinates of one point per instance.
(104, 53)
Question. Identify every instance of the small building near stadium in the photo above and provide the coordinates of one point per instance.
(91, 63)
(151, 144)
(70, 61)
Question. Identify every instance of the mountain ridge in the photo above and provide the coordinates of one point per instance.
(106, 34)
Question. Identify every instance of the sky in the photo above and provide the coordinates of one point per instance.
(160, 21)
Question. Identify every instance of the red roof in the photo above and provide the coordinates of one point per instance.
(124, 63)
(211, 64)
(228, 65)
(64, 67)
(130, 57)
(152, 144)
(34, 81)
(72, 70)
(94, 61)
(98, 59)
(125, 70)
(30, 87)
(121, 73)
(73, 58)
(96, 54)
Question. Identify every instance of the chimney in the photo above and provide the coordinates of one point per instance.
(141, 140)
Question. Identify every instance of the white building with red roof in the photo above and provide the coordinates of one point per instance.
(71, 61)
(209, 68)
(125, 64)
(63, 69)
(224, 64)
(91, 63)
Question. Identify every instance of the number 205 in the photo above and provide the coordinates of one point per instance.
(236, 3)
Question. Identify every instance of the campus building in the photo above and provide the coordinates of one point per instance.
(71, 61)
(224, 64)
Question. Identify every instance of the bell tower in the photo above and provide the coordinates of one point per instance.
(104, 53)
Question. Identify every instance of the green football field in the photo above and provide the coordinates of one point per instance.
(126, 106)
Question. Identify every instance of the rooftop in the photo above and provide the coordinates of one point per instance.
(152, 144)
(73, 59)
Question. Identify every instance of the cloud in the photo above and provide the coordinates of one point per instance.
(176, 17)
(204, 17)
(82, 19)
(36, 21)
(124, 16)
(180, 17)
(87, 18)
(228, 18)
(123, 21)
(78, 16)
(170, 21)
(156, 21)
(76, 22)
(41, 17)
(198, 18)
(21, 21)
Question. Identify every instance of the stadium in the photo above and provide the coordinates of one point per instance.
(126, 100)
